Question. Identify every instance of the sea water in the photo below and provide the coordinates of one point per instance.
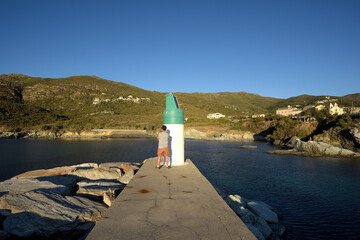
(319, 198)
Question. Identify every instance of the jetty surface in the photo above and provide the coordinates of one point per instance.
(175, 203)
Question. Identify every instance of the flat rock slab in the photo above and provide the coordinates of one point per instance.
(54, 206)
(56, 184)
(98, 188)
(122, 165)
(96, 174)
(47, 213)
(47, 172)
(176, 203)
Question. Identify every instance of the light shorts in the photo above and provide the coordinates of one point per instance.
(162, 151)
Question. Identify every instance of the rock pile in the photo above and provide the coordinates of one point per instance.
(193, 133)
(60, 203)
(316, 149)
(259, 217)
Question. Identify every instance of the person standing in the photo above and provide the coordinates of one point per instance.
(163, 147)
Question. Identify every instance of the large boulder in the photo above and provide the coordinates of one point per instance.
(33, 226)
(47, 172)
(323, 149)
(263, 210)
(355, 134)
(96, 174)
(249, 218)
(44, 214)
(127, 176)
(56, 184)
(125, 167)
(54, 206)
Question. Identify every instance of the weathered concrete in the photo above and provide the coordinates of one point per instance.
(176, 203)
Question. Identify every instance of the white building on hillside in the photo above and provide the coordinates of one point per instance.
(334, 109)
(289, 111)
(215, 115)
(258, 115)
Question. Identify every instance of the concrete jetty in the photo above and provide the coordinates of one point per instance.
(175, 203)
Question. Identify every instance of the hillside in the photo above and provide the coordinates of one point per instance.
(85, 102)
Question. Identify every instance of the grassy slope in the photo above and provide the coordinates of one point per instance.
(30, 102)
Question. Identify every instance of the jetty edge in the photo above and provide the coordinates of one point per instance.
(176, 203)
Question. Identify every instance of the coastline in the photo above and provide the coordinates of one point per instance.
(189, 133)
(293, 147)
(94, 133)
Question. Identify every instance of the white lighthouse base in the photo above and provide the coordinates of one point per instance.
(176, 144)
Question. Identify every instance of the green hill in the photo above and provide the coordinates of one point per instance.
(85, 102)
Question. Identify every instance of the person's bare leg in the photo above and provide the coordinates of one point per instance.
(167, 161)
(158, 162)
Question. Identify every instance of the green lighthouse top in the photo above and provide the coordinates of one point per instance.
(173, 114)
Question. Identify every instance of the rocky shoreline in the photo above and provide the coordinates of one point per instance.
(189, 133)
(213, 135)
(95, 133)
(316, 149)
(293, 146)
(60, 203)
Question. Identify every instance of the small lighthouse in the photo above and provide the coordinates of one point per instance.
(174, 122)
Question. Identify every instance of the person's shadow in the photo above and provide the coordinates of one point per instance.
(170, 150)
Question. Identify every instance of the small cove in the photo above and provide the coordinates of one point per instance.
(318, 197)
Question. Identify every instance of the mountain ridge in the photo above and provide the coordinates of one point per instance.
(70, 103)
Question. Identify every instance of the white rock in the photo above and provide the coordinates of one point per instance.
(127, 176)
(109, 197)
(321, 148)
(238, 199)
(263, 227)
(249, 218)
(263, 211)
(58, 171)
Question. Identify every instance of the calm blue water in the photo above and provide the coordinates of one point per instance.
(319, 198)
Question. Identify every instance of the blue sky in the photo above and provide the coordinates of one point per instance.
(272, 48)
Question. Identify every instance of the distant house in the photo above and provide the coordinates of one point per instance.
(352, 110)
(215, 115)
(320, 107)
(289, 111)
(258, 115)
